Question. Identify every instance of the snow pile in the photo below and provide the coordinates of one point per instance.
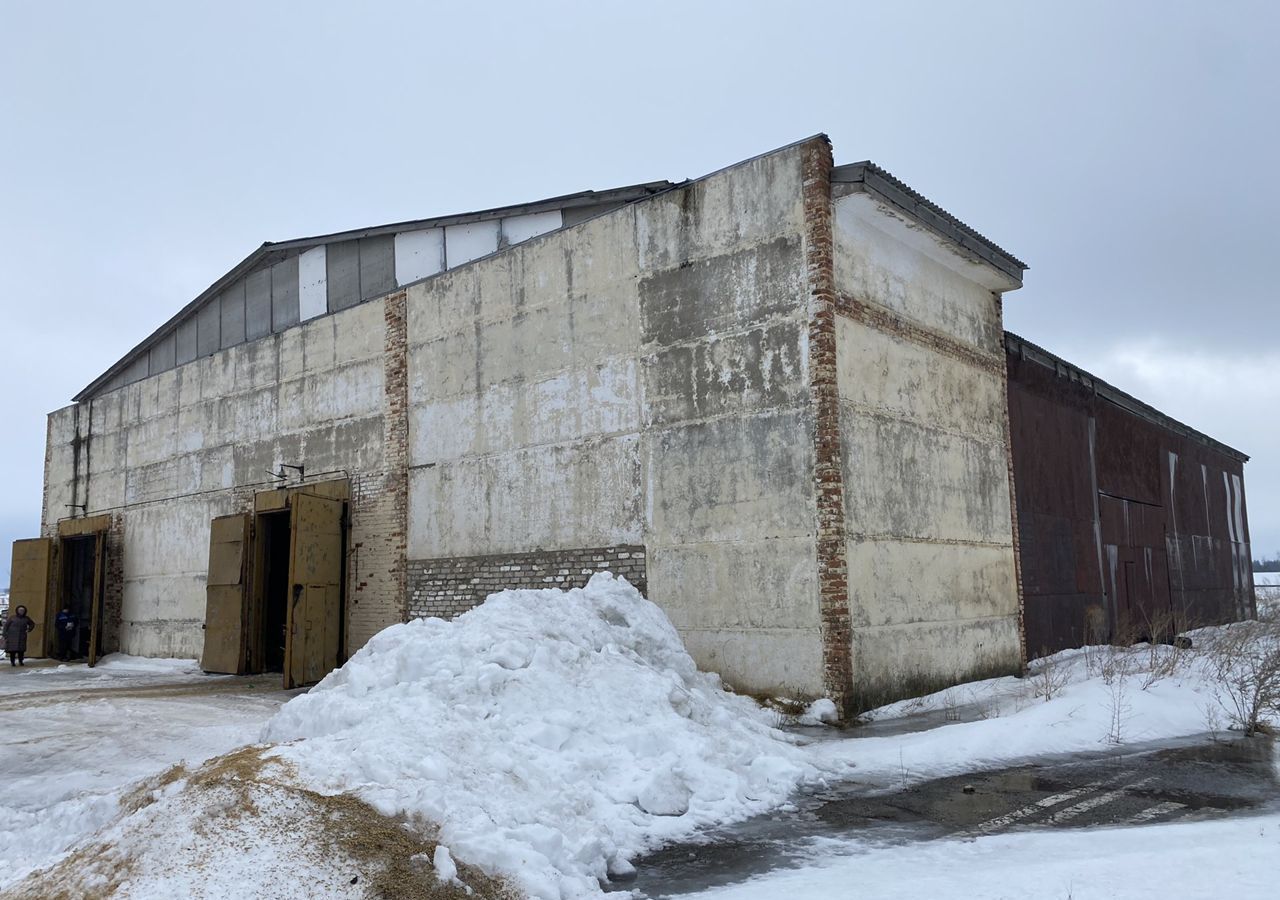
(1074, 701)
(125, 664)
(552, 735)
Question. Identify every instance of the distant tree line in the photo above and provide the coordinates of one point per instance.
(1267, 565)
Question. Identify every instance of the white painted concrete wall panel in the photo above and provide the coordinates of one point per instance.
(926, 488)
(552, 497)
(886, 373)
(879, 259)
(419, 254)
(313, 284)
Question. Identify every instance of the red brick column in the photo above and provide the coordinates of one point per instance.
(833, 588)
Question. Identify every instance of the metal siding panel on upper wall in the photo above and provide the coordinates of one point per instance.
(257, 304)
(464, 243)
(313, 296)
(419, 254)
(520, 228)
(137, 370)
(342, 264)
(284, 294)
(209, 328)
(163, 356)
(186, 341)
(377, 266)
(233, 315)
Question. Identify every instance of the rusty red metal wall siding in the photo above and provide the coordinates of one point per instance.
(1120, 519)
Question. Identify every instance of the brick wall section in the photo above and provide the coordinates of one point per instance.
(113, 585)
(833, 589)
(447, 587)
(379, 506)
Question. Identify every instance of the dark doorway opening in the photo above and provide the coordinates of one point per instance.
(78, 577)
(273, 536)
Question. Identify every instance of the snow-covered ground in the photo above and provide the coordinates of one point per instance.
(1232, 858)
(72, 748)
(550, 738)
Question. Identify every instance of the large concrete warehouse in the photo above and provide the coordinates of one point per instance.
(774, 397)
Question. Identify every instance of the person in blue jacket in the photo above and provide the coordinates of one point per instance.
(65, 625)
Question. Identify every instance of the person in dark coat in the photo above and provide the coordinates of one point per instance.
(16, 630)
(65, 625)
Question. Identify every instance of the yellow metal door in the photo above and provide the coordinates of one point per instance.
(31, 584)
(313, 626)
(95, 614)
(225, 605)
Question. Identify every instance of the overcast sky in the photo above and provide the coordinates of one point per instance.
(1125, 151)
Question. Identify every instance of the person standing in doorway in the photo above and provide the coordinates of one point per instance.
(16, 630)
(65, 625)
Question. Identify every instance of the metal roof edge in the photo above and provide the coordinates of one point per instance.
(642, 191)
(625, 194)
(921, 209)
(1019, 346)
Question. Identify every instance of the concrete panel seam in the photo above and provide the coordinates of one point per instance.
(882, 320)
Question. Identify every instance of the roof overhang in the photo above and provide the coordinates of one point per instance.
(868, 178)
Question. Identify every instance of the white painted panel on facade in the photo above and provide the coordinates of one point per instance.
(313, 284)
(464, 243)
(419, 254)
(521, 228)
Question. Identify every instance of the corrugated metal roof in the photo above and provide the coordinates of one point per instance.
(898, 194)
(1025, 349)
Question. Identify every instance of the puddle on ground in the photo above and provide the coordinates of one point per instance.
(1201, 779)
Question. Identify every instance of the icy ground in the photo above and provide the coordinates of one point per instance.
(551, 738)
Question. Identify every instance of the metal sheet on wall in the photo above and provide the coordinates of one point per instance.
(342, 266)
(185, 337)
(257, 304)
(313, 284)
(209, 328)
(377, 266)
(419, 254)
(233, 315)
(163, 355)
(284, 294)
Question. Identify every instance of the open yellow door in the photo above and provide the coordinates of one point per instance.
(31, 585)
(95, 614)
(313, 625)
(226, 607)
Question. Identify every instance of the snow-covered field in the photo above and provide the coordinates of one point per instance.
(549, 738)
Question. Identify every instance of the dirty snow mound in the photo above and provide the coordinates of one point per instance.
(553, 735)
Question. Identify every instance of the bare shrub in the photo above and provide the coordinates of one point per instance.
(1245, 661)
(1095, 635)
(1048, 677)
(1117, 701)
(951, 707)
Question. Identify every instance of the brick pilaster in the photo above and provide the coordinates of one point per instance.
(376, 562)
(833, 588)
